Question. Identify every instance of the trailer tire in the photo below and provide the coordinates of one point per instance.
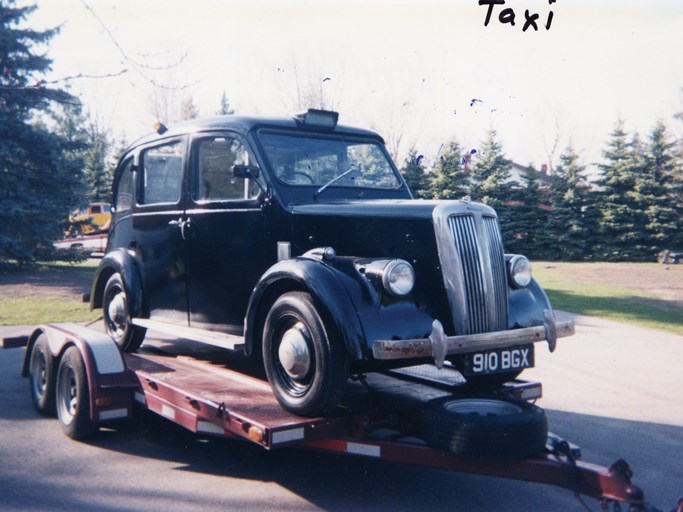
(305, 368)
(117, 317)
(489, 427)
(73, 396)
(42, 378)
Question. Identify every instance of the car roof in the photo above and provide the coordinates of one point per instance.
(245, 124)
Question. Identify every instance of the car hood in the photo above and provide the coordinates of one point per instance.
(369, 229)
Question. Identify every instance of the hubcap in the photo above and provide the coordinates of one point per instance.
(294, 353)
(67, 395)
(117, 312)
(40, 376)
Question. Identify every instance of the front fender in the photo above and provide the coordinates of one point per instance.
(526, 306)
(323, 283)
(119, 261)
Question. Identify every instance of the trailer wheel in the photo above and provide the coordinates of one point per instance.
(117, 316)
(41, 372)
(490, 427)
(305, 369)
(73, 396)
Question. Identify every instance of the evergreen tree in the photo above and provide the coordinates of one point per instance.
(448, 179)
(38, 185)
(656, 185)
(490, 183)
(621, 218)
(90, 146)
(569, 230)
(527, 227)
(414, 173)
(188, 110)
(225, 108)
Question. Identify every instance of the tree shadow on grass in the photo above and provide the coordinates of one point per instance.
(662, 314)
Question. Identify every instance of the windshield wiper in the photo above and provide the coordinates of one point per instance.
(352, 167)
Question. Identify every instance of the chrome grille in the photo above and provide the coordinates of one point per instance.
(498, 273)
(481, 264)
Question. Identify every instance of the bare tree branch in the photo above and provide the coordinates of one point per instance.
(138, 67)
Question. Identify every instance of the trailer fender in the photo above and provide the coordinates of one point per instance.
(323, 283)
(120, 261)
(103, 360)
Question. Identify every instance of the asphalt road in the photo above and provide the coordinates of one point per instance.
(612, 389)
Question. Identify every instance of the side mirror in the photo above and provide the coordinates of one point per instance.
(245, 171)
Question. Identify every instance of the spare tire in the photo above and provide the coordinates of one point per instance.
(487, 426)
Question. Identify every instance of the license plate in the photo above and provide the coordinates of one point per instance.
(499, 360)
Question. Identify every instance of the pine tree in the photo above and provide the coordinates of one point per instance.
(528, 219)
(656, 186)
(490, 183)
(569, 229)
(448, 181)
(225, 108)
(38, 186)
(414, 173)
(188, 110)
(621, 218)
(89, 148)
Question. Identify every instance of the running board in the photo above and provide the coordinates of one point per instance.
(217, 339)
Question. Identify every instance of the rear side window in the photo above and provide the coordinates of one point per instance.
(124, 188)
(162, 173)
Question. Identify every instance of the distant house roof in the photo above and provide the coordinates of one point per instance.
(518, 172)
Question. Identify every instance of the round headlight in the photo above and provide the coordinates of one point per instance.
(520, 272)
(398, 278)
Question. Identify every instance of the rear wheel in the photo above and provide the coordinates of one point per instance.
(305, 368)
(117, 319)
(41, 372)
(73, 396)
(490, 427)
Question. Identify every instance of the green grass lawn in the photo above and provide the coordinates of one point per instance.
(35, 310)
(43, 303)
(630, 293)
(566, 286)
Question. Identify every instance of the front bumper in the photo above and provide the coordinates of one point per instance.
(438, 345)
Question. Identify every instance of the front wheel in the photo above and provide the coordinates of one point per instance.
(116, 316)
(306, 370)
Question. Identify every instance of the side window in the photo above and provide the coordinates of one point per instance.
(215, 181)
(124, 188)
(162, 172)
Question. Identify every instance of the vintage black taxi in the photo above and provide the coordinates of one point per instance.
(297, 241)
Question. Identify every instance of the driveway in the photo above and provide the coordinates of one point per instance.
(612, 389)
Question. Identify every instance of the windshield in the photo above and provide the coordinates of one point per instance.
(334, 162)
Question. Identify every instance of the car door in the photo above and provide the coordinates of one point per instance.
(158, 235)
(226, 251)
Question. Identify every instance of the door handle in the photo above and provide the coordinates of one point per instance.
(182, 224)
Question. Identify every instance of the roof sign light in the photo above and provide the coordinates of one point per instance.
(319, 118)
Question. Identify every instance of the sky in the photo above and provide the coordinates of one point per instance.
(421, 73)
